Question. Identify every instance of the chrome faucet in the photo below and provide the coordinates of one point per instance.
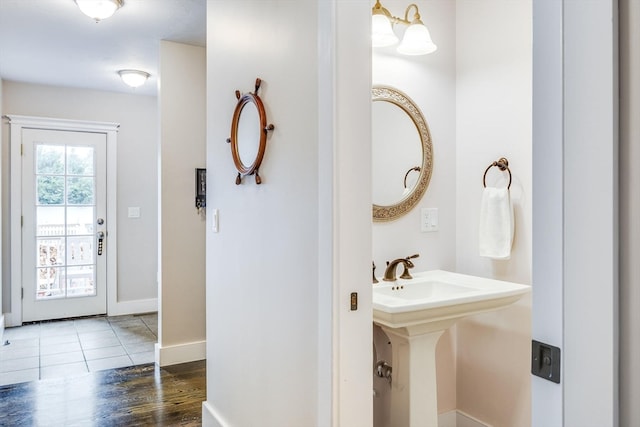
(390, 272)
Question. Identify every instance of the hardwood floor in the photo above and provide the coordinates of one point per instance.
(142, 395)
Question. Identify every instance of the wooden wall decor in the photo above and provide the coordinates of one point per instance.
(249, 134)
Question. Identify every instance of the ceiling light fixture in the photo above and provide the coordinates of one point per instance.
(416, 39)
(133, 78)
(99, 9)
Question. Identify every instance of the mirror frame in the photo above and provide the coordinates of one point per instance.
(382, 213)
(243, 100)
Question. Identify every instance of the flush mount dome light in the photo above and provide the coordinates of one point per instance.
(99, 9)
(133, 78)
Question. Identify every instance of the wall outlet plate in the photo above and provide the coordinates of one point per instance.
(428, 220)
(133, 212)
(545, 361)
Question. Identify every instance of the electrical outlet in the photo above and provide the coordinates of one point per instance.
(429, 220)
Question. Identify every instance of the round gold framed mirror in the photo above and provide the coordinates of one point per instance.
(249, 134)
(402, 153)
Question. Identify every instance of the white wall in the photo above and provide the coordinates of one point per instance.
(590, 253)
(493, 120)
(283, 348)
(547, 271)
(181, 246)
(137, 172)
(629, 211)
(576, 168)
(2, 324)
(430, 82)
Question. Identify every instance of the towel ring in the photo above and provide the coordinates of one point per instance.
(502, 164)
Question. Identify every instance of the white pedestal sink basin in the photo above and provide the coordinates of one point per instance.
(414, 313)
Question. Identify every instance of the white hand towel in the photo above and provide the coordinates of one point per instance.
(496, 223)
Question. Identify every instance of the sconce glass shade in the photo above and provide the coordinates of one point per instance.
(417, 40)
(381, 31)
(99, 9)
(133, 78)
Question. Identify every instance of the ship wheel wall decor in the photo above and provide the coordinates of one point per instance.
(249, 131)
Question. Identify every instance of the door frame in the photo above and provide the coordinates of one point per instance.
(16, 124)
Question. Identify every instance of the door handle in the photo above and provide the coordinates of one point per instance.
(100, 235)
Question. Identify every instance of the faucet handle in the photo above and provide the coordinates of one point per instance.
(407, 265)
(405, 274)
(374, 272)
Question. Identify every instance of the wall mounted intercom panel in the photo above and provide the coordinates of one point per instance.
(201, 188)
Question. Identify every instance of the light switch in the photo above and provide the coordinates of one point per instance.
(134, 212)
(214, 220)
(429, 220)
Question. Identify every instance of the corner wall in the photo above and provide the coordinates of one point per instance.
(181, 246)
(493, 120)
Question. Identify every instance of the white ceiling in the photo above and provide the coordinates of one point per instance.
(51, 42)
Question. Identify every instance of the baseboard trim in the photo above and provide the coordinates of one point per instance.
(448, 419)
(120, 308)
(211, 417)
(181, 353)
(457, 418)
(10, 321)
(465, 420)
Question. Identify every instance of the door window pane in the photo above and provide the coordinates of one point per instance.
(80, 220)
(80, 250)
(80, 190)
(80, 281)
(50, 159)
(50, 252)
(50, 190)
(51, 283)
(49, 221)
(80, 161)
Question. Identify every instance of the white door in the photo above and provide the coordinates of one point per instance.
(63, 224)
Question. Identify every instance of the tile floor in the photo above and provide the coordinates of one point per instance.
(73, 347)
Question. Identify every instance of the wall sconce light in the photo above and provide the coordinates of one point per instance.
(99, 9)
(416, 39)
(133, 78)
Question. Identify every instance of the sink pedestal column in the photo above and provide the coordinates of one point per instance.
(414, 397)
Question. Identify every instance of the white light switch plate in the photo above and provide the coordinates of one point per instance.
(214, 220)
(134, 212)
(429, 220)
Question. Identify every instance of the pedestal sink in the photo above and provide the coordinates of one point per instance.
(414, 313)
